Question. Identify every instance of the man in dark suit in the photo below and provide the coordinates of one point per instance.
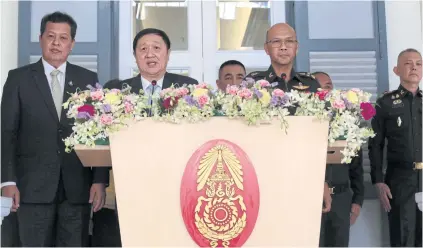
(152, 50)
(51, 190)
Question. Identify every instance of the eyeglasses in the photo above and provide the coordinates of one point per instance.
(278, 43)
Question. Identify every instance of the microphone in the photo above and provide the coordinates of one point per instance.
(283, 77)
(153, 88)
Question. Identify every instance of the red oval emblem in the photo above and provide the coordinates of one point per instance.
(220, 195)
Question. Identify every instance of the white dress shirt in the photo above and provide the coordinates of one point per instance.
(60, 77)
(145, 83)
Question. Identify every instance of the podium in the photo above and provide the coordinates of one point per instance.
(219, 183)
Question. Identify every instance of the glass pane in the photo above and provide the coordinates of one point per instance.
(184, 72)
(242, 25)
(169, 16)
(84, 13)
(339, 20)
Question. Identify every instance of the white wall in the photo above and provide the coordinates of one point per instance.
(404, 30)
(8, 38)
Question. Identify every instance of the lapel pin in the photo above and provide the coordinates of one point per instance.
(70, 83)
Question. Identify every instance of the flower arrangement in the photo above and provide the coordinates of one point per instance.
(193, 103)
(98, 112)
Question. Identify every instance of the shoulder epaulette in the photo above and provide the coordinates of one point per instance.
(306, 74)
(387, 93)
(256, 73)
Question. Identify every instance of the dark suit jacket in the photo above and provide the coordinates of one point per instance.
(136, 85)
(32, 147)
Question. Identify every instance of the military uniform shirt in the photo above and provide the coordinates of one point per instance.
(399, 119)
(300, 81)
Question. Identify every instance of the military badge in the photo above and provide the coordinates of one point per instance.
(399, 121)
(300, 86)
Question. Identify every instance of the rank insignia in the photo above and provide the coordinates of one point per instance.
(271, 75)
(253, 73)
(399, 121)
(300, 87)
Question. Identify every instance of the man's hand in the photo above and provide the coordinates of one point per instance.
(327, 199)
(384, 193)
(97, 196)
(355, 212)
(12, 191)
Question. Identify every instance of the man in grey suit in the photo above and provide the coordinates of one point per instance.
(51, 190)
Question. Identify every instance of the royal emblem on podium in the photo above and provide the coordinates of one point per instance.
(217, 214)
(223, 214)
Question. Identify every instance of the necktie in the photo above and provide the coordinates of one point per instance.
(56, 92)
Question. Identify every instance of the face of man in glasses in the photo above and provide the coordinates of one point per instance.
(281, 44)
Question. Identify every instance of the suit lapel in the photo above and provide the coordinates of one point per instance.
(41, 82)
(69, 88)
(135, 84)
(166, 81)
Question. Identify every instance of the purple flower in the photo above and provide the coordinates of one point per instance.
(190, 101)
(284, 99)
(348, 104)
(277, 101)
(257, 93)
(97, 87)
(248, 81)
(107, 108)
(83, 115)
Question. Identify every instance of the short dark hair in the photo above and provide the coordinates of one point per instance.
(156, 31)
(59, 17)
(408, 50)
(231, 62)
(320, 72)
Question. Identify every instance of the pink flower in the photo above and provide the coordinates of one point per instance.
(322, 94)
(97, 95)
(367, 110)
(106, 119)
(129, 107)
(203, 100)
(278, 92)
(263, 83)
(164, 92)
(338, 104)
(202, 86)
(356, 90)
(245, 93)
(232, 90)
(115, 90)
(182, 92)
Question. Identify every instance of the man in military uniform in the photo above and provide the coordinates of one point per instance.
(399, 119)
(345, 209)
(281, 45)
